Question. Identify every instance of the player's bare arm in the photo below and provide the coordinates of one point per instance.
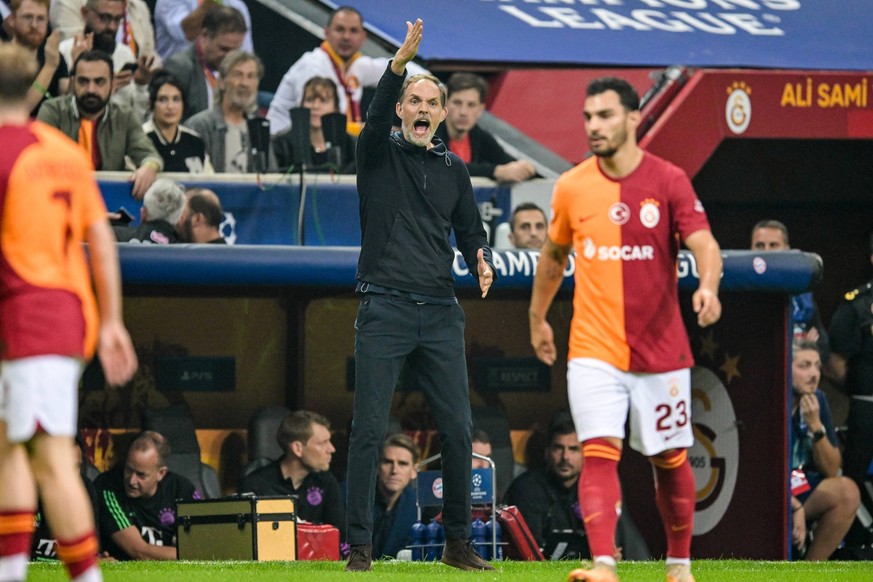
(707, 253)
(409, 48)
(547, 281)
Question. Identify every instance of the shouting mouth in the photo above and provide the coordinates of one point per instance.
(421, 127)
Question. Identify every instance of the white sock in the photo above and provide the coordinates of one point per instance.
(607, 561)
(92, 574)
(680, 561)
(13, 568)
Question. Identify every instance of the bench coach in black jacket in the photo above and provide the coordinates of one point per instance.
(414, 192)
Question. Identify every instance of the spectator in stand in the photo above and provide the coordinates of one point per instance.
(527, 226)
(138, 502)
(339, 59)
(180, 147)
(224, 128)
(178, 23)
(223, 30)
(821, 496)
(106, 131)
(547, 497)
(161, 208)
(303, 470)
(103, 19)
(135, 30)
(28, 22)
(321, 98)
(201, 218)
(772, 235)
(466, 94)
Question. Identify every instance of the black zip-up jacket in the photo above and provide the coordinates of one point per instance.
(411, 198)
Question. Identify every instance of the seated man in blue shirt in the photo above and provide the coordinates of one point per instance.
(819, 493)
(394, 509)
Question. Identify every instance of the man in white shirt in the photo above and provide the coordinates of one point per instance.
(338, 58)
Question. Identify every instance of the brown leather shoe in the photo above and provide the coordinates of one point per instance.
(360, 559)
(460, 554)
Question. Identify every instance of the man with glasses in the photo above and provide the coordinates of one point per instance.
(131, 76)
(28, 23)
(135, 31)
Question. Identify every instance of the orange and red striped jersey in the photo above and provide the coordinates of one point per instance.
(48, 201)
(626, 234)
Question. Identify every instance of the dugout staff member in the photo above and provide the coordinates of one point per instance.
(413, 193)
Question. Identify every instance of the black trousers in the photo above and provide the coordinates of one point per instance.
(388, 332)
(859, 441)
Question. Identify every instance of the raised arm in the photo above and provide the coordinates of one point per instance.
(409, 48)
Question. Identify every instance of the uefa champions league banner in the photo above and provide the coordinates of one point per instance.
(785, 34)
(268, 213)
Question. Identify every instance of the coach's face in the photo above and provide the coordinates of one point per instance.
(564, 457)
(142, 473)
(421, 111)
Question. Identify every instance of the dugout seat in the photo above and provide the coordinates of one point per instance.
(262, 446)
(177, 426)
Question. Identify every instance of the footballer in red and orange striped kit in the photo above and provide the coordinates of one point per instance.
(624, 232)
(50, 324)
(624, 212)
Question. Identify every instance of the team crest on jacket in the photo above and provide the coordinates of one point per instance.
(619, 213)
(649, 213)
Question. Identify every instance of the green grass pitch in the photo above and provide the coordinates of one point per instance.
(704, 571)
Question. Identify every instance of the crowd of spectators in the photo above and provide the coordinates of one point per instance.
(184, 49)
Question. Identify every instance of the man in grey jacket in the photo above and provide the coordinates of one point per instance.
(223, 31)
(108, 132)
(225, 127)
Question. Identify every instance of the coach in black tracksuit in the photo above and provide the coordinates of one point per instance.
(413, 192)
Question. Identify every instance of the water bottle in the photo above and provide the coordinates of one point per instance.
(493, 528)
(416, 534)
(477, 536)
(432, 540)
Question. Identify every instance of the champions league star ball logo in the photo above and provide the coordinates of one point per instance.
(738, 109)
